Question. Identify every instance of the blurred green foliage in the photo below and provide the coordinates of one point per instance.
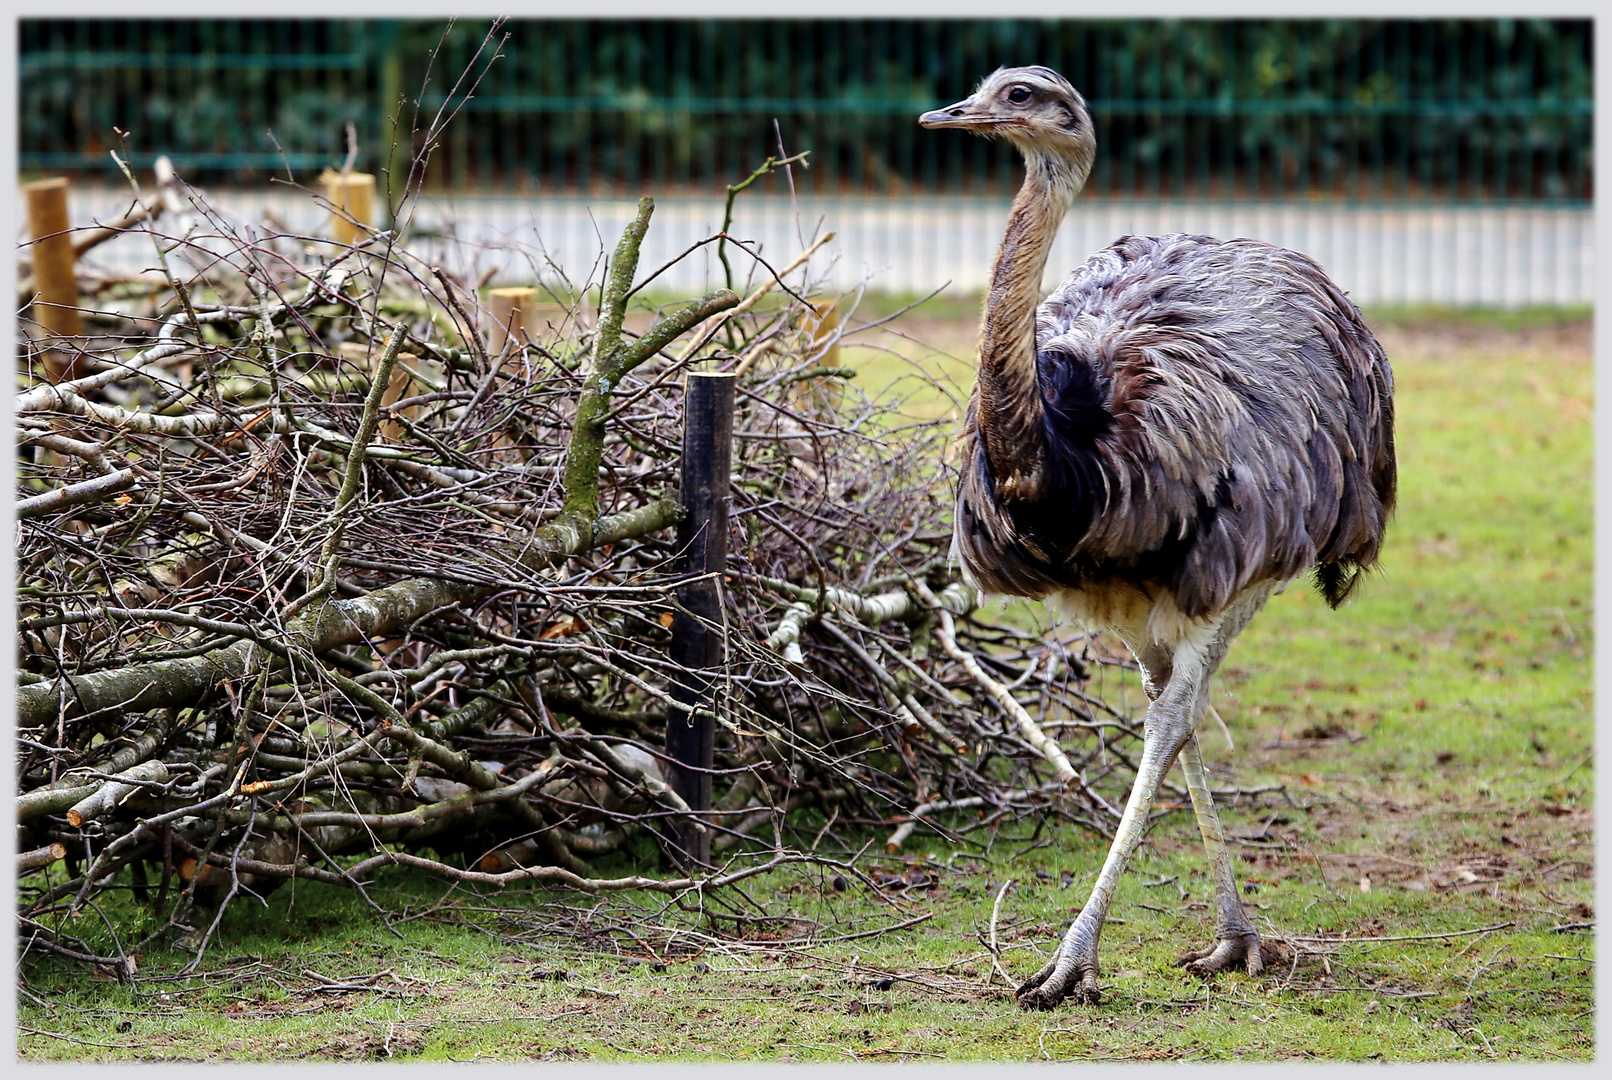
(1351, 108)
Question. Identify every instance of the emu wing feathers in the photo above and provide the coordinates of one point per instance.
(1216, 413)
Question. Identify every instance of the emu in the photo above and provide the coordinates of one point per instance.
(1184, 426)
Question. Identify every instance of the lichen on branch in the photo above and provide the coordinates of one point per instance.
(610, 360)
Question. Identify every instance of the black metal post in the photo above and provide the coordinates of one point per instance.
(697, 628)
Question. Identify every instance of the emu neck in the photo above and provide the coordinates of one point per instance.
(1009, 393)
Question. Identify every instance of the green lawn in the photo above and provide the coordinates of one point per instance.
(1435, 735)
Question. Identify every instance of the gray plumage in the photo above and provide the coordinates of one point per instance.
(1185, 425)
(1233, 423)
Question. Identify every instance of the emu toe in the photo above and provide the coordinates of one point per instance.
(1060, 979)
(1242, 951)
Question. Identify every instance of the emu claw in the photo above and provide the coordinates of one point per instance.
(1244, 950)
(1061, 978)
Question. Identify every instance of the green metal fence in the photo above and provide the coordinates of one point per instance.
(1353, 109)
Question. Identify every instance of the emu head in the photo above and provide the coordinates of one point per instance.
(1035, 108)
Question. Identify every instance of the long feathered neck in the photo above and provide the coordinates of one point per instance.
(1009, 406)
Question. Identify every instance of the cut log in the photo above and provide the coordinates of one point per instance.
(111, 792)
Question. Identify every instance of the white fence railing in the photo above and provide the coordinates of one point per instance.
(1456, 254)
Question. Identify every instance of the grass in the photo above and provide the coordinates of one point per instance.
(1435, 733)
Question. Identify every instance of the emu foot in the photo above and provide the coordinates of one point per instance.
(1238, 951)
(1064, 976)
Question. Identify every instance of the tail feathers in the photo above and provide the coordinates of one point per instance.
(1336, 580)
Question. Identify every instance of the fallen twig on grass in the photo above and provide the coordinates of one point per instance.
(996, 950)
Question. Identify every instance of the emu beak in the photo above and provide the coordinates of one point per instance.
(960, 115)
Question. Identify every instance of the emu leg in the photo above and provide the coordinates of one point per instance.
(1237, 941)
(1177, 682)
(1073, 968)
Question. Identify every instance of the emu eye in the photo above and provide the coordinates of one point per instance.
(1019, 95)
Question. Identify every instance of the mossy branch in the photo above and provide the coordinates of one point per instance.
(609, 364)
(618, 282)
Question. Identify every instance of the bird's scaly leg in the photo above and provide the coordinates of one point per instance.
(1238, 942)
(1073, 969)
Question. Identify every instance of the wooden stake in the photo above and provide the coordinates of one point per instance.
(824, 323)
(55, 275)
(351, 197)
(697, 629)
(397, 387)
(513, 312)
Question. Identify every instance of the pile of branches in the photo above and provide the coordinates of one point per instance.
(315, 578)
